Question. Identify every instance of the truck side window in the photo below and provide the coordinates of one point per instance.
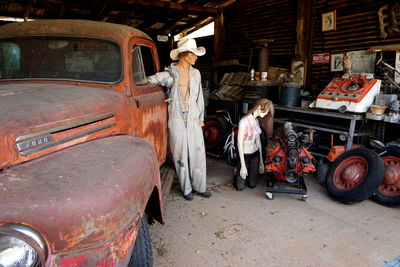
(143, 64)
(10, 55)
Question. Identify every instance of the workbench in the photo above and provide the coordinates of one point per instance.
(329, 123)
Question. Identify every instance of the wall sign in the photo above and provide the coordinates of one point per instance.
(362, 61)
(320, 58)
(298, 69)
(162, 38)
(329, 21)
(337, 62)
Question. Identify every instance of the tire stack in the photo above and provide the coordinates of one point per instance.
(363, 173)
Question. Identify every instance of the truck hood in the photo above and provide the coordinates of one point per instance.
(38, 119)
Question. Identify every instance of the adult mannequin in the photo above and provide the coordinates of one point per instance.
(185, 117)
(250, 159)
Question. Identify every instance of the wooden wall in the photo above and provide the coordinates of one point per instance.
(205, 63)
(357, 28)
(246, 21)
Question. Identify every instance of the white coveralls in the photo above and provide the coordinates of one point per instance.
(185, 134)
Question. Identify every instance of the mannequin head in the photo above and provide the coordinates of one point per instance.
(187, 57)
(263, 109)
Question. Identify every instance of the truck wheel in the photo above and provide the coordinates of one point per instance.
(322, 170)
(142, 254)
(355, 175)
(215, 131)
(388, 192)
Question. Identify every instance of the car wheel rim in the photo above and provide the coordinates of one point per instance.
(391, 183)
(350, 173)
(211, 132)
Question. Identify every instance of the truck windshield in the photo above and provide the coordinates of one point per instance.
(60, 58)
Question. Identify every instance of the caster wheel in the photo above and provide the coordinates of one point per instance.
(303, 197)
(269, 196)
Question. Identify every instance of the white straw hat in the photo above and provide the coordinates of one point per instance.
(187, 44)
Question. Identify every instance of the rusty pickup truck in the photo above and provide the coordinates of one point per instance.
(82, 139)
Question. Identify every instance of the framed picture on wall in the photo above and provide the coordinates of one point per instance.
(328, 20)
(337, 62)
(298, 69)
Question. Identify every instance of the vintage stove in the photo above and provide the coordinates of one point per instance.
(355, 94)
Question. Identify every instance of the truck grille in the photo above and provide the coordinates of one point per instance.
(40, 140)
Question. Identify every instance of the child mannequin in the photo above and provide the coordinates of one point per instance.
(250, 160)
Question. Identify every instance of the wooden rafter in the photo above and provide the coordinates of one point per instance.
(210, 11)
(200, 24)
(197, 25)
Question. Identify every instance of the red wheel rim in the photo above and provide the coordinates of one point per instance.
(212, 133)
(350, 173)
(391, 183)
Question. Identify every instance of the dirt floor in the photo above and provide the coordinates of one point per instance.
(243, 228)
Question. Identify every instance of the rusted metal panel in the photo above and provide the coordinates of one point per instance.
(151, 109)
(31, 109)
(151, 118)
(82, 196)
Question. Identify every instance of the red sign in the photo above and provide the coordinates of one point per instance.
(322, 58)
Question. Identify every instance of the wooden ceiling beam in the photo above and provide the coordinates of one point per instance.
(197, 25)
(209, 11)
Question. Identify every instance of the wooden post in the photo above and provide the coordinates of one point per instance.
(219, 36)
(304, 32)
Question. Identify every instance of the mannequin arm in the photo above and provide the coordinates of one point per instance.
(261, 166)
(243, 168)
(200, 103)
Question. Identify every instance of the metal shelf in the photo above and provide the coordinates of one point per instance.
(325, 127)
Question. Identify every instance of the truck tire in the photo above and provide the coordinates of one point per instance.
(215, 131)
(323, 166)
(355, 175)
(388, 192)
(142, 254)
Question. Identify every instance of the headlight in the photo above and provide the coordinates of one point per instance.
(20, 246)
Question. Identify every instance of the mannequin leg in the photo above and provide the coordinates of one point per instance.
(179, 150)
(251, 161)
(253, 164)
(197, 159)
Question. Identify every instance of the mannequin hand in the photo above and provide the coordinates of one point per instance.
(261, 167)
(243, 172)
(201, 123)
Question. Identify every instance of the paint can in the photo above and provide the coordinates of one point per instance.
(264, 75)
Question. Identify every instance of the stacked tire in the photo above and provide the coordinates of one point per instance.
(362, 173)
(388, 192)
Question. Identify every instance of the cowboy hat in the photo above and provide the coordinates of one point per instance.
(185, 45)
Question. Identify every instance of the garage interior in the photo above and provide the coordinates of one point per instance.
(293, 52)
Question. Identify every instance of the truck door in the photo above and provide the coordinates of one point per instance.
(149, 99)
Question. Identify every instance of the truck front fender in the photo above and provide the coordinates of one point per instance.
(84, 195)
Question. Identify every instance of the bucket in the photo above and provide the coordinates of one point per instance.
(290, 95)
